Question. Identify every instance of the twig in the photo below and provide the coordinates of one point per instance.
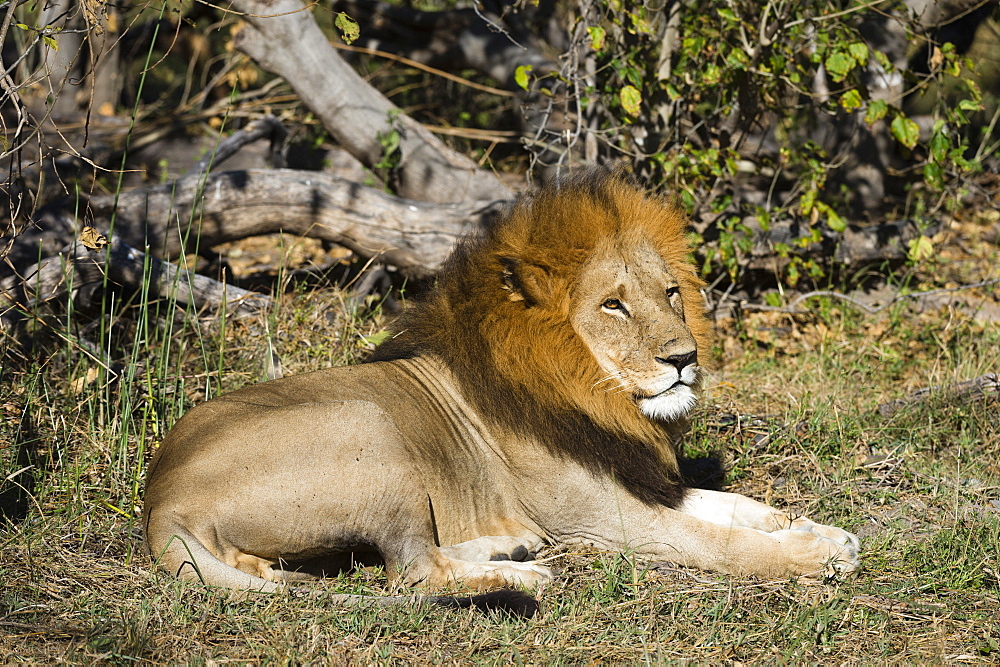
(268, 126)
(426, 68)
(871, 310)
(983, 385)
(125, 265)
(476, 134)
(494, 26)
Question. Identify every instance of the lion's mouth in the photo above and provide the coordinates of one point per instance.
(642, 396)
(671, 403)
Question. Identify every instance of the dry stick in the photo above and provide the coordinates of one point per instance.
(426, 68)
(52, 277)
(284, 39)
(268, 126)
(983, 385)
(871, 310)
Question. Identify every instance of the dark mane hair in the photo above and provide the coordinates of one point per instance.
(498, 318)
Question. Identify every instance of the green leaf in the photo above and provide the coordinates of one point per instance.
(970, 105)
(877, 110)
(851, 100)
(858, 51)
(728, 14)
(348, 27)
(640, 25)
(793, 274)
(939, 146)
(737, 59)
(934, 175)
(839, 65)
(521, 76)
(374, 339)
(834, 221)
(50, 42)
(807, 201)
(632, 74)
(920, 249)
(688, 200)
(905, 130)
(597, 37)
(631, 100)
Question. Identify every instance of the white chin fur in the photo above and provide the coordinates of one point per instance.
(669, 405)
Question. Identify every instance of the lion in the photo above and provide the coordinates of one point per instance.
(536, 395)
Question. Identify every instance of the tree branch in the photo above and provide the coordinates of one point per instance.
(55, 276)
(793, 307)
(283, 38)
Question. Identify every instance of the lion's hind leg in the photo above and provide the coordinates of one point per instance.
(184, 556)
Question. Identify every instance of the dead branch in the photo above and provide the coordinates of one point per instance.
(268, 127)
(76, 269)
(197, 212)
(283, 38)
(793, 307)
(982, 386)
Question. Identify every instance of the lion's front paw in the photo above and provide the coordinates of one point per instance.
(817, 550)
(502, 573)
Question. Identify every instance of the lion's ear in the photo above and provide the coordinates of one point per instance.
(524, 281)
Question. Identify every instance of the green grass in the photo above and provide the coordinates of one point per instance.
(794, 425)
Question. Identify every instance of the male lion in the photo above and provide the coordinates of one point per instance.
(536, 395)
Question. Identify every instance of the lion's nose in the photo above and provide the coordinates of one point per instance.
(680, 361)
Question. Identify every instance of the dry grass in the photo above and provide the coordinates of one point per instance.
(791, 414)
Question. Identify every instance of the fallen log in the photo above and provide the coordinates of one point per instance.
(196, 212)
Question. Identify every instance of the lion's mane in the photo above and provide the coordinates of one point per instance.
(498, 317)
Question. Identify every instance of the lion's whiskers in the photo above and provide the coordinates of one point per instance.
(607, 378)
(616, 375)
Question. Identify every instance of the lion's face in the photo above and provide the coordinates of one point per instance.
(627, 309)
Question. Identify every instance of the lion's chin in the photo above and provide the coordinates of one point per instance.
(671, 404)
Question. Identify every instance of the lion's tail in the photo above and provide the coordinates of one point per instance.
(503, 602)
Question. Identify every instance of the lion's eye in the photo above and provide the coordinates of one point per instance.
(614, 306)
(673, 291)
